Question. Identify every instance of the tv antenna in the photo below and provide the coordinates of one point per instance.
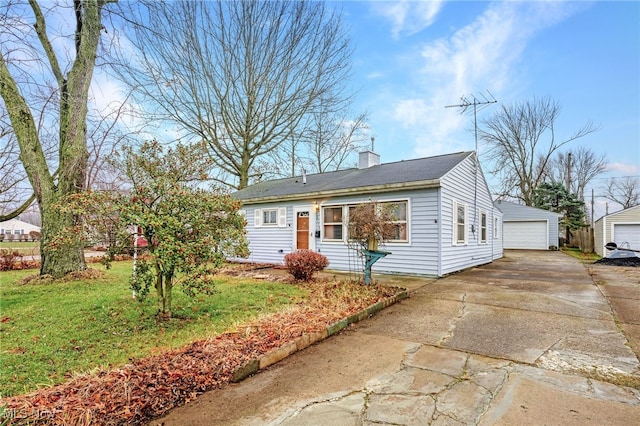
(466, 102)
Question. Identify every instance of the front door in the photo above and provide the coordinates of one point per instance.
(302, 230)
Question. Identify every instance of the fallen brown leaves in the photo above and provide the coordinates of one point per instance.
(149, 387)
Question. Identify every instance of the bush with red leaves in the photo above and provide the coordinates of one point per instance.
(13, 261)
(302, 264)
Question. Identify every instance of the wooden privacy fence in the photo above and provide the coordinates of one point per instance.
(583, 238)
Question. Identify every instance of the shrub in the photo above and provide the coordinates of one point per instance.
(13, 261)
(302, 264)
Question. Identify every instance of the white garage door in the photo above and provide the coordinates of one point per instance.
(525, 235)
(627, 233)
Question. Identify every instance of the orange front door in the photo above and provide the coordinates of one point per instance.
(302, 230)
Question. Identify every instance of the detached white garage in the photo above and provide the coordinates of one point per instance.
(528, 228)
(622, 228)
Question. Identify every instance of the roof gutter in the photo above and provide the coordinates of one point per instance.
(393, 187)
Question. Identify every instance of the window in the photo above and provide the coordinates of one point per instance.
(495, 228)
(272, 217)
(483, 227)
(332, 223)
(460, 223)
(269, 217)
(399, 210)
(17, 231)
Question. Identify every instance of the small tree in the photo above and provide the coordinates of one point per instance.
(189, 231)
(371, 224)
(554, 197)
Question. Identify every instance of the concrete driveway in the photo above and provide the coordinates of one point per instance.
(529, 339)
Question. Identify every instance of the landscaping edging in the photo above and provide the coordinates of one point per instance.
(260, 363)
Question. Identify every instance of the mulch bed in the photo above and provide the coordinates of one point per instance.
(149, 387)
(622, 261)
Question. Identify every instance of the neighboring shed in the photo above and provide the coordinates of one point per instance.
(622, 228)
(446, 220)
(528, 227)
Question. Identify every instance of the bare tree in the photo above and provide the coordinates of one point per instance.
(29, 64)
(521, 141)
(624, 191)
(334, 140)
(238, 75)
(106, 133)
(585, 165)
(329, 141)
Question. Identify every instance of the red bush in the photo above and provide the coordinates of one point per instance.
(13, 261)
(302, 264)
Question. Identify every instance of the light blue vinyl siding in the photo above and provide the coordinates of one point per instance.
(429, 250)
(417, 256)
(460, 186)
(269, 244)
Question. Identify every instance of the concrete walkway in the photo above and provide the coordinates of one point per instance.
(517, 342)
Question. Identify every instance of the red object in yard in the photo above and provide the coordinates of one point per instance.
(141, 241)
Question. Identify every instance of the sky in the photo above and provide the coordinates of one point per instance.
(411, 59)
(414, 58)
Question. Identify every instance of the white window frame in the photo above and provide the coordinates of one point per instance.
(483, 228)
(341, 223)
(456, 240)
(281, 217)
(495, 227)
(345, 220)
(405, 221)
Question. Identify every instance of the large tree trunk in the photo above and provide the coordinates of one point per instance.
(61, 246)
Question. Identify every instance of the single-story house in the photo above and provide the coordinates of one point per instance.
(529, 228)
(622, 228)
(15, 228)
(446, 219)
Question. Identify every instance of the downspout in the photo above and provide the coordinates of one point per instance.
(604, 236)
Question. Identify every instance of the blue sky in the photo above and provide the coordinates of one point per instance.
(412, 58)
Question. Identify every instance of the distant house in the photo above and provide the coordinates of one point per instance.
(622, 228)
(529, 227)
(446, 219)
(14, 229)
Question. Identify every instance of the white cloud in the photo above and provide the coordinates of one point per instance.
(408, 17)
(624, 169)
(483, 55)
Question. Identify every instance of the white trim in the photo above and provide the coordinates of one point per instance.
(454, 221)
(486, 227)
(282, 217)
(345, 219)
(312, 224)
(257, 218)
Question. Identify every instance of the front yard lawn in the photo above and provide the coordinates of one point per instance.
(50, 332)
(90, 354)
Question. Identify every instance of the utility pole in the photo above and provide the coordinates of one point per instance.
(569, 173)
(592, 206)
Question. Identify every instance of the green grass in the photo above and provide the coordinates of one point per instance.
(577, 253)
(22, 247)
(48, 332)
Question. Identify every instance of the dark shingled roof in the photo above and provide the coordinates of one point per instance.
(388, 174)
